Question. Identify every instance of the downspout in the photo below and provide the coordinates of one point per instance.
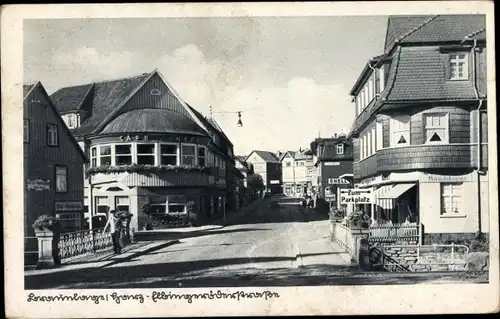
(479, 129)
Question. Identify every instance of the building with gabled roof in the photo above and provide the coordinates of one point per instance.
(420, 128)
(53, 168)
(150, 152)
(297, 172)
(267, 164)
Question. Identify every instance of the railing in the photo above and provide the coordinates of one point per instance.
(344, 237)
(79, 243)
(409, 232)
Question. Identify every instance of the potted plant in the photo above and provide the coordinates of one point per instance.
(46, 223)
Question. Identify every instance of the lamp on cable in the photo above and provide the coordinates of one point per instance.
(240, 123)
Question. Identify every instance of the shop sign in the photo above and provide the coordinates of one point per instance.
(448, 178)
(37, 185)
(162, 138)
(130, 138)
(274, 182)
(332, 163)
(68, 206)
(355, 196)
(338, 181)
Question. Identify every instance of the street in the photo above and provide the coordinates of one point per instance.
(280, 244)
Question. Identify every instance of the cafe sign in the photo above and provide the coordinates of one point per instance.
(37, 185)
(355, 196)
(162, 138)
(68, 206)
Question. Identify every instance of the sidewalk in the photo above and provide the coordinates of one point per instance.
(104, 259)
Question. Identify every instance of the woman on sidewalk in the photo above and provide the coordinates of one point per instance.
(113, 224)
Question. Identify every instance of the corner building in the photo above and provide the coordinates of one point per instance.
(149, 150)
(420, 132)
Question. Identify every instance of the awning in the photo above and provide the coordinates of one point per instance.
(397, 191)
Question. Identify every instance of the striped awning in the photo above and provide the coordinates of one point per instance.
(396, 191)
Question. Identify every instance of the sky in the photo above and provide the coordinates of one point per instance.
(290, 77)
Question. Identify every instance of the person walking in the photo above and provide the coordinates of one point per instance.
(113, 220)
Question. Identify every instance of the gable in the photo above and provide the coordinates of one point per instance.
(254, 158)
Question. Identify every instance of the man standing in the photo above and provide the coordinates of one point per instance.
(115, 234)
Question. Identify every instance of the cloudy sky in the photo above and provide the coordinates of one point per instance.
(289, 76)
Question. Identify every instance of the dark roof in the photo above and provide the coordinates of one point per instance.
(428, 29)
(267, 156)
(27, 89)
(70, 98)
(106, 97)
(153, 120)
(241, 158)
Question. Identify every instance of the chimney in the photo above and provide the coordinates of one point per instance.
(335, 135)
(300, 149)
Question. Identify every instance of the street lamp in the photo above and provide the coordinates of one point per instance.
(239, 123)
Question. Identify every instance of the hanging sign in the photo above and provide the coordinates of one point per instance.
(332, 163)
(338, 181)
(355, 196)
(37, 185)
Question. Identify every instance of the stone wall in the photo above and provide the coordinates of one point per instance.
(470, 240)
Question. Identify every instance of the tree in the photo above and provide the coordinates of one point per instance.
(256, 183)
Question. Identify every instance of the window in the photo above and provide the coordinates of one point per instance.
(379, 133)
(287, 164)
(52, 138)
(301, 163)
(373, 141)
(105, 155)
(201, 156)
(176, 204)
(93, 156)
(365, 145)
(381, 76)
(459, 66)
(61, 179)
(188, 154)
(146, 154)
(370, 89)
(102, 204)
(436, 128)
(451, 198)
(168, 154)
(26, 131)
(122, 203)
(340, 149)
(71, 121)
(123, 154)
(400, 130)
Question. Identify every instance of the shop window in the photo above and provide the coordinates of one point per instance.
(93, 156)
(101, 204)
(168, 154)
(188, 154)
(459, 66)
(146, 154)
(340, 149)
(123, 154)
(105, 155)
(61, 179)
(176, 204)
(122, 203)
(70, 222)
(201, 156)
(52, 135)
(452, 199)
(26, 131)
(400, 130)
(436, 128)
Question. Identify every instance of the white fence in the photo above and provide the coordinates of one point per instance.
(407, 232)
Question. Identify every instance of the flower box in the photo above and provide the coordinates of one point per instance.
(136, 168)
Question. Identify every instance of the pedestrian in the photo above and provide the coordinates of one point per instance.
(113, 220)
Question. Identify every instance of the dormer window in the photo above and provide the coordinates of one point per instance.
(340, 149)
(72, 121)
(459, 66)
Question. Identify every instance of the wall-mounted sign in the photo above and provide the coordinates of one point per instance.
(68, 206)
(332, 163)
(448, 178)
(163, 138)
(274, 182)
(338, 181)
(129, 138)
(37, 185)
(355, 196)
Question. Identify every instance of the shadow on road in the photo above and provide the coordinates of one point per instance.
(162, 235)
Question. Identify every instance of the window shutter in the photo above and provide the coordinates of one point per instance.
(447, 72)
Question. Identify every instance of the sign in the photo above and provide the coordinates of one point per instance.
(448, 178)
(37, 185)
(274, 182)
(332, 163)
(330, 197)
(163, 138)
(355, 196)
(68, 206)
(338, 181)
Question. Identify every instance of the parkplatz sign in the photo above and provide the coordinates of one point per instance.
(355, 196)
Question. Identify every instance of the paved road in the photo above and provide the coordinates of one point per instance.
(280, 244)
